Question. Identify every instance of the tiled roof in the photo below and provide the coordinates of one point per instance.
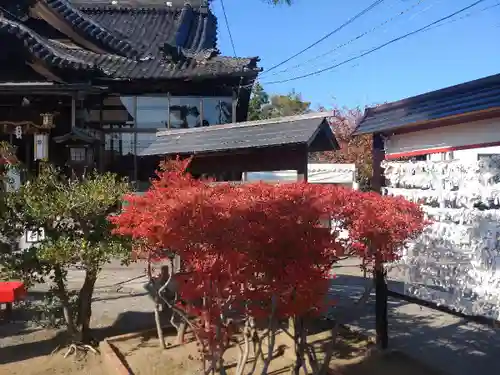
(469, 97)
(137, 4)
(143, 42)
(293, 130)
(41, 48)
(89, 29)
(124, 68)
(131, 31)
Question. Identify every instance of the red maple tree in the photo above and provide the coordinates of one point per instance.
(259, 252)
(354, 149)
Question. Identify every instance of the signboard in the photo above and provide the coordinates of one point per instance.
(41, 144)
(34, 236)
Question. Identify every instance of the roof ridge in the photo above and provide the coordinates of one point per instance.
(37, 44)
(455, 89)
(81, 21)
(144, 5)
(244, 124)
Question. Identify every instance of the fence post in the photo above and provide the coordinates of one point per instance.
(381, 291)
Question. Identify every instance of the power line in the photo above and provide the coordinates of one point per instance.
(378, 47)
(227, 26)
(467, 15)
(351, 20)
(315, 58)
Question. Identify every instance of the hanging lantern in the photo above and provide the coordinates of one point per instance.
(19, 132)
(47, 120)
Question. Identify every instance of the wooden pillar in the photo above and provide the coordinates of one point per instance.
(102, 136)
(302, 167)
(234, 106)
(381, 292)
(73, 111)
(168, 111)
(135, 173)
(202, 112)
(296, 321)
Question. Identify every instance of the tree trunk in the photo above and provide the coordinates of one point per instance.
(181, 333)
(85, 305)
(299, 345)
(159, 329)
(62, 293)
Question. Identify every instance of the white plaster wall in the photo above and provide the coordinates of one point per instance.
(466, 156)
(472, 154)
(453, 136)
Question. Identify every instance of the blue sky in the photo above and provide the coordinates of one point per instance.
(456, 52)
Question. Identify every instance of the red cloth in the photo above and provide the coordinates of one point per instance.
(11, 291)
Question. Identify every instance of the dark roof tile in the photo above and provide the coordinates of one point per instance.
(92, 30)
(467, 97)
(186, 28)
(41, 48)
(293, 130)
(191, 64)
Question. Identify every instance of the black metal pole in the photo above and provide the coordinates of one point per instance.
(381, 292)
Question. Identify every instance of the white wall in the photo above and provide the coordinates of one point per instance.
(472, 154)
(469, 155)
(454, 137)
(344, 174)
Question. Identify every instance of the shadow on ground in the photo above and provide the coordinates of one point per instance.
(39, 343)
(392, 363)
(445, 342)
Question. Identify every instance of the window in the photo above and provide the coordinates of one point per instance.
(185, 112)
(134, 128)
(77, 154)
(152, 111)
(217, 110)
(487, 157)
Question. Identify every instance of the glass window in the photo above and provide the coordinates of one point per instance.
(77, 154)
(185, 112)
(152, 111)
(217, 110)
(123, 143)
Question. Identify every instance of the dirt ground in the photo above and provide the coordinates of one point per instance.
(16, 360)
(120, 305)
(144, 357)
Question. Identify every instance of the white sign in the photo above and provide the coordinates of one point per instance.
(41, 146)
(33, 236)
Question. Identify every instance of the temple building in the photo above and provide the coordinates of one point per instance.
(88, 83)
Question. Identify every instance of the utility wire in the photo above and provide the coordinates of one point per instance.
(227, 26)
(351, 20)
(378, 47)
(467, 15)
(315, 58)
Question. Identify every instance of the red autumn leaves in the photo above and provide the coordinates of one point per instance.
(248, 244)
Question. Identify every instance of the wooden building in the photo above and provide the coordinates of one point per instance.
(88, 83)
(228, 151)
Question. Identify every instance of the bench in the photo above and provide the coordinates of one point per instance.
(10, 292)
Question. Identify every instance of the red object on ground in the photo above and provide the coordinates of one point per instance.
(11, 291)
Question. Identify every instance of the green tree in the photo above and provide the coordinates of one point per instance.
(258, 100)
(262, 106)
(73, 215)
(286, 105)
